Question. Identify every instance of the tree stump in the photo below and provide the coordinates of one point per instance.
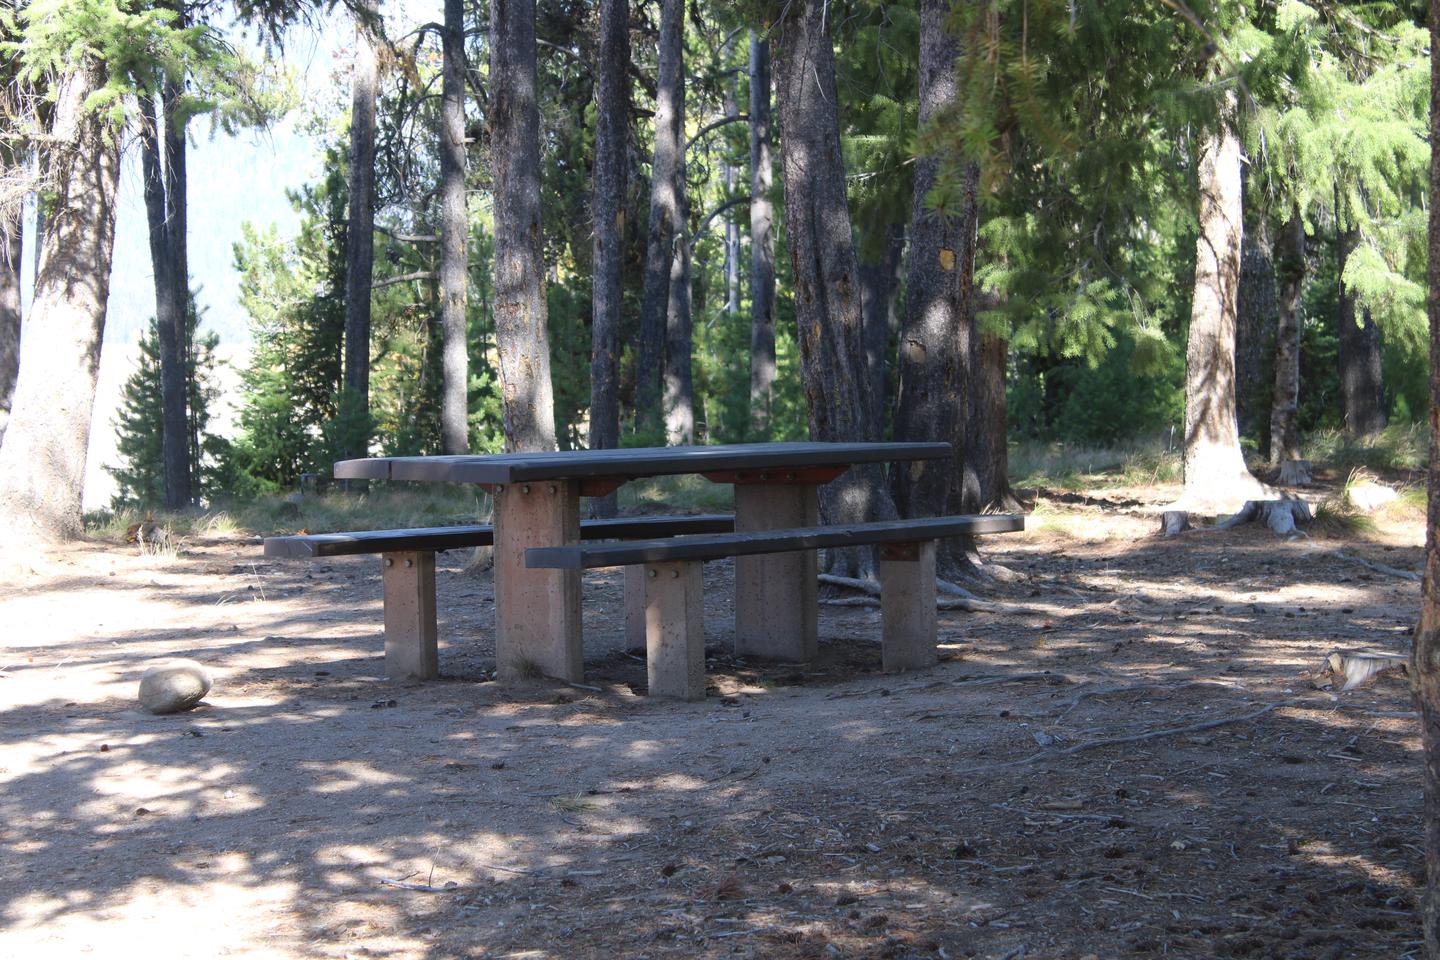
(1174, 522)
(1280, 516)
(1295, 473)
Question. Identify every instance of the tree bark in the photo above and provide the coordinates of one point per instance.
(42, 463)
(1361, 382)
(1290, 284)
(666, 215)
(679, 395)
(1215, 471)
(879, 289)
(1425, 653)
(360, 235)
(11, 254)
(521, 337)
(987, 442)
(936, 352)
(822, 254)
(454, 232)
(1255, 325)
(762, 243)
(608, 249)
(729, 174)
(163, 152)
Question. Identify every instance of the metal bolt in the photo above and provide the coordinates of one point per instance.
(409, 563)
(525, 488)
(552, 488)
(674, 574)
(652, 572)
(389, 562)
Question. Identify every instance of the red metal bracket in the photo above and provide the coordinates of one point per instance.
(899, 551)
(601, 486)
(810, 476)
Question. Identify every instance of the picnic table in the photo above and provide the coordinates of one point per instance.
(538, 613)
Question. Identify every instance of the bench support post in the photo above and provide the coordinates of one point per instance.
(635, 609)
(776, 595)
(409, 583)
(674, 629)
(537, 611)
(907, 607)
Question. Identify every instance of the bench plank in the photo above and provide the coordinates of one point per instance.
(306, 546)
(634, 462)
(713, 547)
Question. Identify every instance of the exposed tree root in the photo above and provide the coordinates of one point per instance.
(1279, 515)
(1071, 702)
(958, 598)
(1379, 567)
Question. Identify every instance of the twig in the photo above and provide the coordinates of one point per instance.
(1132, 738)
(1070, 703)
(1380, 567)
(422, 887)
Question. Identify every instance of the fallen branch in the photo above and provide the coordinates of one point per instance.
(452, 887)
(1070, 703)
(1380, 567)
(958, 598)
(1132, 738)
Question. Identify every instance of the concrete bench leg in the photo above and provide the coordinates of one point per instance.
(635, 609)
(674, 629)
(907, 607)
(537, 612)
(410, 648)
(776, 595)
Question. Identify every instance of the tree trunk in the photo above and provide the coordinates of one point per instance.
(1290, 284)
(521, 337)
(879, 288)
(42, 463)
(1215, 471)
(1425, 654)
(360, 236)
(1361, 383)
(762, 243)
(163, 150)
(666, 204)
(454, 231)
(822, 254)
(607, 290)
(679, 395)
(987, 446)
(729, 173)
(935, 345)
(11, 252)
(1255, 325)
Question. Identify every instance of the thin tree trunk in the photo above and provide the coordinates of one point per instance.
(663, 238)
(679, 395)
(728, 173)
(1361, 382)
(1255, 325)
(360, 236)
(454, 231)
(42, 463)
(1425, 654)
(879, 289)
(163, 151)
(1290, 284)
(932, 402)
(608, 249)
(1215, 471)
(987, 446)
(762, 243)
(521, 337)
(11, 254)
(826, 274)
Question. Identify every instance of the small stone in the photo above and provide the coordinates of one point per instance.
(173, 687)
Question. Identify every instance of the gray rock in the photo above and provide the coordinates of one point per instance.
(173, 686)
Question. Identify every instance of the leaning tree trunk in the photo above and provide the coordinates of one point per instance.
(42, 463)
(879, 289)
(1215, 471)
(1361, 383)
(521, 338)
(664, 236)
(935, 345)
(1289, 284)
(1425, 655)
(607, 285)
(827, 297)
(1254, 326)
(762, 243)
(11, 252)
(162, 147)
(454, 231)
(360, 235)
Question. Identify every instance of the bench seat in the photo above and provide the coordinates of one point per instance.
(669, 573)
(408, 568)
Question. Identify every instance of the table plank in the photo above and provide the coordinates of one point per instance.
(506, 468)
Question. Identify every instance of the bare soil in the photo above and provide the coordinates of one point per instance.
(311, 808)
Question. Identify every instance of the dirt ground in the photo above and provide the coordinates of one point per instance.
(310, 808)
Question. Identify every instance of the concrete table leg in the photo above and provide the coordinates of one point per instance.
(410, 647)
(635, 609)
(674, 629)
(776, 600)
(537, 612)
(907, 607)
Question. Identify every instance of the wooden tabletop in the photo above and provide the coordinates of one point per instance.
(635, 462)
